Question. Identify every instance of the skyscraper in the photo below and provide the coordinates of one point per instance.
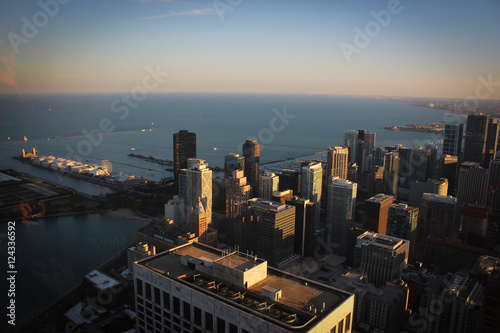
(473, 182)
(237, 190)
(233, 162)
(251, 152)
(304, 226)
(391, 173)
(376, 213)
(494, 193)
(402, 223)
(370, 138)
(382, 257)
(184, 148)
(437, 216)
(351, 141)
(404, 166)
(481, 135)
(340, 211)
(448, 168)
(198, 187)
(290, 180)
(199, 224)
(337, 162)
(268, 183)
(453, 137)
(267, 229)
(311, 187)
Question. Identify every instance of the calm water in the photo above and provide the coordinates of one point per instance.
(222, 123)
(53, 253)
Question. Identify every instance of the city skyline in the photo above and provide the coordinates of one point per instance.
(389, 48)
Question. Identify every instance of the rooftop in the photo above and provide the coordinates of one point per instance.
(301, 301)
(101, 280)
(381, 197)
(374, 239)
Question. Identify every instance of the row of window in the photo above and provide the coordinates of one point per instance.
(145, 306)
(343, 326)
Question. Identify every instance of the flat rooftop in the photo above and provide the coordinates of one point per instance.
(304, 298)
(379, 240)
(381, 197)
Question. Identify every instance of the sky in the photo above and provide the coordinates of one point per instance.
(446, 48)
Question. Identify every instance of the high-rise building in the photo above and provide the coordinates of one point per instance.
(311, 187)
(351, 141)
(199, 224)
(379, 156)
(282, 196)
(219, 193)
(175, 210)
(481, 137)
(290, 180)
(237, 190)
(251, 152)
(437, 216)
(268, 183)
(376, 213)
(460, 303)
(402, 223)
(453, 137)
(382, 257)
(198, 288)
(494, 193)
(423, 163)
(340, 212)
(337, 161)
(352, 172)
(198, 187)
(376, 180)
(404, 166)
(267, 229)
(370, 138)
(491, 142)
(391, 173)
(184, 148)
(473, 225)
(233, 162)
(417, 189)
(448, 168)
(304, 226)
(473, 182)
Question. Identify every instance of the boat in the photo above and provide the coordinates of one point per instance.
(25, 139)
(132, 149)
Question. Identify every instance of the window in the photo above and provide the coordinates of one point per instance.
(334, 330)
(233, 328)
(221, 325)
(341, 326)
(166, 300)
(139, 286)
(187, 311)
(348, 323)
(209, 321)
(197, 316)
(177, 306)
(148, 291)
(157, 296)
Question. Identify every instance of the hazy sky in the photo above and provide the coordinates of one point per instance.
(422, 48)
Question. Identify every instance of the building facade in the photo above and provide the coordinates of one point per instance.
(184, 148)
(195, 288)
(340, 212)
